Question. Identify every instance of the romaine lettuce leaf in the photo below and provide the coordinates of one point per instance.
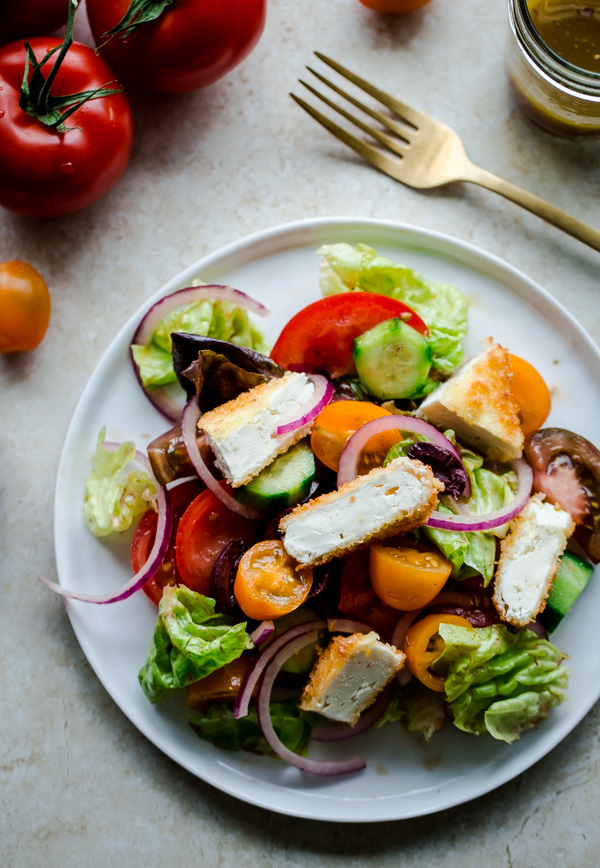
(419, 709)
(115, 500)
(500, 682)
(190, 641)
(218, 725)
(443, 308)
(216, 319)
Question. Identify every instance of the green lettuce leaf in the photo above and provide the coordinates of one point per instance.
(216, 319)
(219, 726)
(190, 641)
(419, 709)
(443, 308)
(500, 682)
(474, 553)
(114, 500)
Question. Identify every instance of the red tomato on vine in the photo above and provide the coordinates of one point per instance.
(174, 46)
(65, 128)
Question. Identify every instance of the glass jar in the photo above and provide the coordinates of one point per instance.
(554, 93)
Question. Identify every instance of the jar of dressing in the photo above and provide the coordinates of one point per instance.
(554, 63)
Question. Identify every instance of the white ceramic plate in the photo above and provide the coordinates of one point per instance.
(404, 778)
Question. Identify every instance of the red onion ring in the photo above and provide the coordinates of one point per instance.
(348, 466)
(155, 558)
(161, 398)
(345, 625)
(490, 520)
(316, 767)
(189, 420)
(242, 700)
(397, 640)
(342, 731)
(320, 397)
(263, 632)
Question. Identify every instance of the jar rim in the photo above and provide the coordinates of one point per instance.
(540, 52)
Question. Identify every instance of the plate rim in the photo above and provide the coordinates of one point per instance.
(298, 233)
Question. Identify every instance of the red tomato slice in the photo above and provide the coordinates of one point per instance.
(206, 527)
(320, 336)
(143, 540)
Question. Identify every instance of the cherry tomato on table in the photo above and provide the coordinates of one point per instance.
(319, 338)
(24, 307)
(27, 18)
(45, 173)
(191, 43)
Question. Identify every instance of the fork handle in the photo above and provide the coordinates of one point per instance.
(549, 213)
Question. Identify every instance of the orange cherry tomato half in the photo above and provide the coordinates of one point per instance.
(531, 394)
(24, 307)
(423, 645)
(220, 686)
(206, 527)
(394, 5)
(405, 578)
(338, 422)
(267, 584)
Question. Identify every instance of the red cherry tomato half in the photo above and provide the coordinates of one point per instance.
(320, 336)
(143, 540)
(22, 19)
(191, 44)
(206, 527)
(44, 173)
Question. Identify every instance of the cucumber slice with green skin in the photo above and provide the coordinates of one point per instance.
(392, 360)
(284, 483)
(571, 578)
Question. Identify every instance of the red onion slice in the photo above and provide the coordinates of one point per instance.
(155, 558)
(348, 466)
(398, 637)
(263, 632)
(345, 625)
(189, 421)
(320, 397)
(162, 398)
(242, 700)
(316, 767)
(490, 520)
(342, 731)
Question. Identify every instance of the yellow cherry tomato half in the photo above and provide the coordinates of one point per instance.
(423, 645)
(394, 5)
(338, 422)
(24, 307)
(405, 578)
(267, 584)
(531, 394)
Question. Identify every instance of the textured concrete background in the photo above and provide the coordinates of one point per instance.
(79, 786)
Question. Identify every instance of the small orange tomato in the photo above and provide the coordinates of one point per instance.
(338, 422)
(405, 578)
(531, 394)
(394, 5)
(267, 584)
(220, 686)
(423, 645)
(24, 307)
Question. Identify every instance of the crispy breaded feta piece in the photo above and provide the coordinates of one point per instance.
(241, 432)
(529, 559)
(386, 501)
(478, 404)
(349, 675)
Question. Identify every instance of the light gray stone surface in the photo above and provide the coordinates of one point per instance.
(79, 786)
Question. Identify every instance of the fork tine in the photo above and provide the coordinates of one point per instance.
(406, 113)
(366, 151)
(382, 137)
(382, 119)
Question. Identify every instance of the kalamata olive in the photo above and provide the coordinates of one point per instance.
(566, 468)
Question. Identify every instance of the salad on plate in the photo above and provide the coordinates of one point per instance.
(358, 529)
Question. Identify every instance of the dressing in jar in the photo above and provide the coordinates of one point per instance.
(554, 63)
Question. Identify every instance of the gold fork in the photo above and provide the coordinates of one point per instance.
(422, 152)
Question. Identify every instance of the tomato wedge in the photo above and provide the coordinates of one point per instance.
(319, 338)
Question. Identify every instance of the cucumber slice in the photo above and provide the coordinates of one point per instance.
(392, 360)
(572, 576)
(285, 482)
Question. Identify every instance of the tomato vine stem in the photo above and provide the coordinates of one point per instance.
(139, 12)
